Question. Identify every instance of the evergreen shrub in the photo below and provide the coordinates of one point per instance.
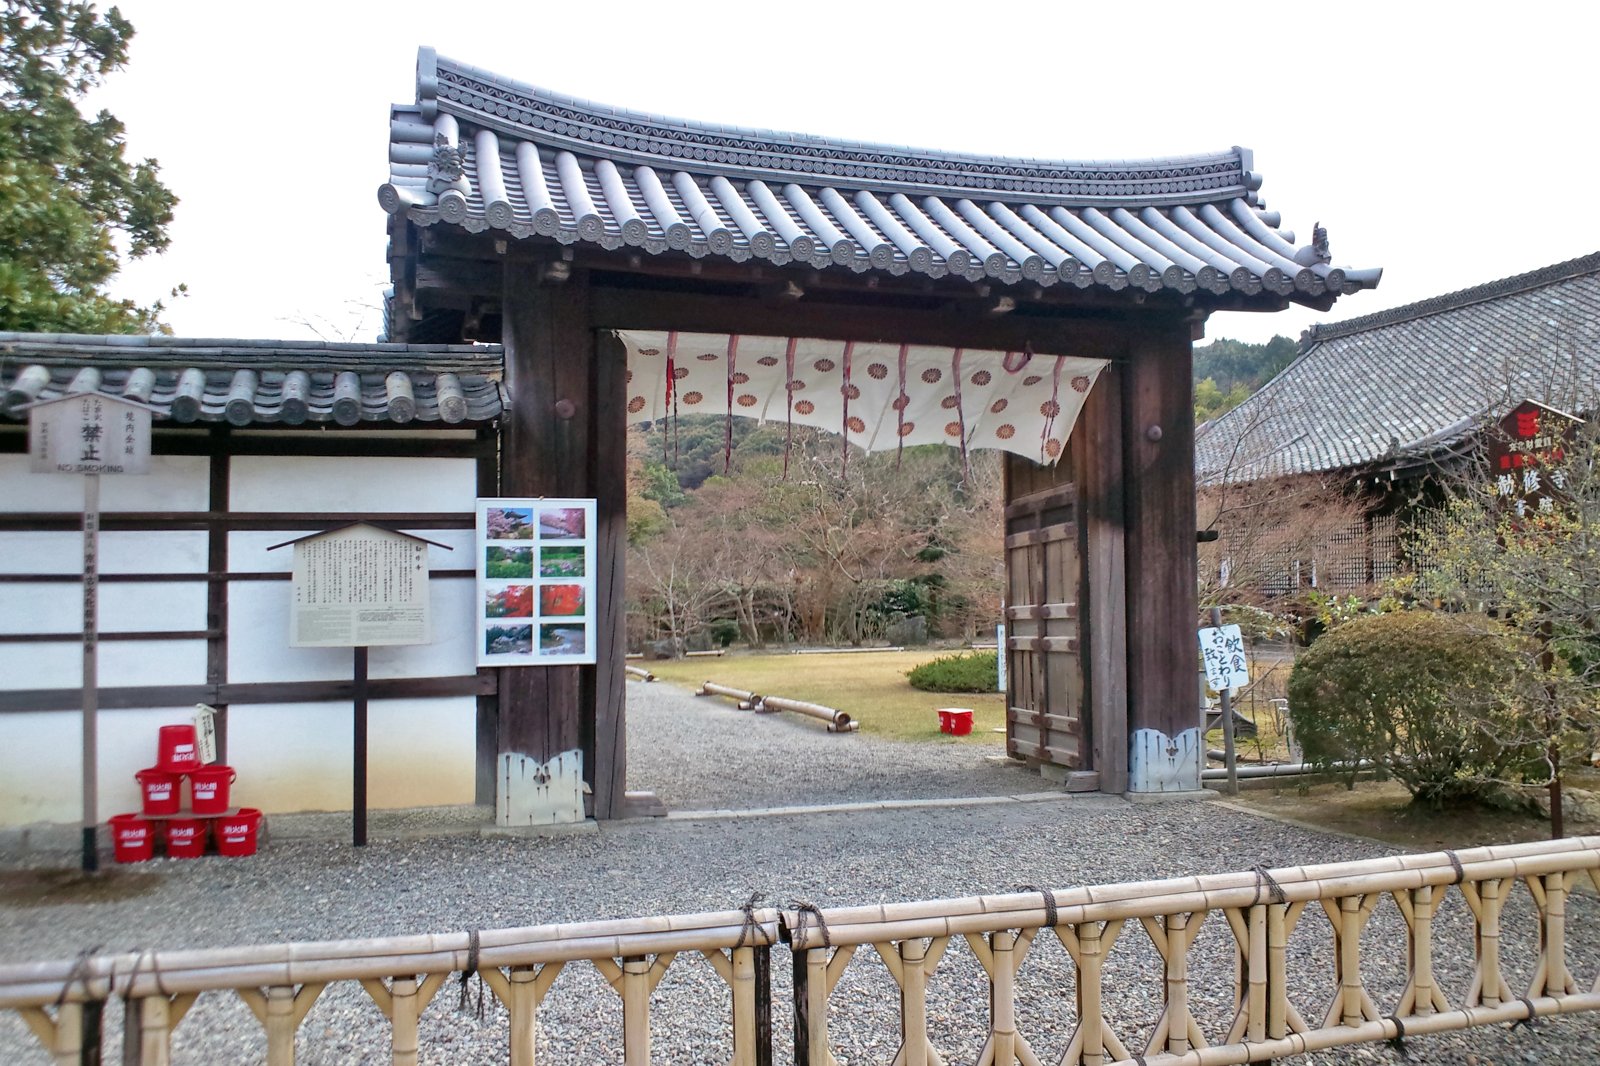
(1430, 698)
(976, 671)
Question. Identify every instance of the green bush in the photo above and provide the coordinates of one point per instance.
(1430, 698)
(977, 671)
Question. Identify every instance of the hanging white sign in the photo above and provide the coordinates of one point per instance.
(1222, 648)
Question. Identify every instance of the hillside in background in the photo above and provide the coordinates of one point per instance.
(1227, 371)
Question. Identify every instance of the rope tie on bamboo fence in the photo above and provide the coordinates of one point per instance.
(79, 974)
(1050, 914)
(751, 928)
(1398, 1041)
(805, 916)
(1528, 1021)
(1455, 864)
(466, 976)
(1265, 880)
(133, 974)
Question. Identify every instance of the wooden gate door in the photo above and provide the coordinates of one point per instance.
(1044, 673)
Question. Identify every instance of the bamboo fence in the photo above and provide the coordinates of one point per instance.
(1263, 912)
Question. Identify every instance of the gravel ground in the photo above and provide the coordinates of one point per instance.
(306, 887)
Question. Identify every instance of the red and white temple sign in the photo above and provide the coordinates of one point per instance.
(1526, 453)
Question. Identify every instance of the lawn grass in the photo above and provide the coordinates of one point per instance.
(870, 687)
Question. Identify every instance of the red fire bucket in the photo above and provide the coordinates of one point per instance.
(132, 837)
(956, 721)
(178, 752)
(236, 835)
(208, 788)
(186, 838)
(159, 789)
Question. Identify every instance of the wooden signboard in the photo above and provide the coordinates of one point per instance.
(360, 585)
(89, 433)
(1526, 452)
(536, 560)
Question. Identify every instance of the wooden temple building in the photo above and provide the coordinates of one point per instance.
(561, 267)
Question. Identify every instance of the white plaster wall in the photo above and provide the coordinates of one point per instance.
(42, 758)
(298, 756)
(174, 483)
(134, 662)
(125, 608)
(340, 484)
(121, 551)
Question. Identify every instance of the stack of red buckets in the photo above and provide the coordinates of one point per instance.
(184, 831)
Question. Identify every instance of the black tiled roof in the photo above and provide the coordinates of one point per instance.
(255, 381)
(1401, 386)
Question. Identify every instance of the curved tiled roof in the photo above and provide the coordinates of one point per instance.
(1401, 387)
(243, 382)
(484, 153)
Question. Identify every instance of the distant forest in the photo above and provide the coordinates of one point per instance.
(1226, 372)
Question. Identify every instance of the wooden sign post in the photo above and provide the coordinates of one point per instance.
(90, 434)
(356, 586)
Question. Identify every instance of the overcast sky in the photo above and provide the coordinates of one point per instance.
(1447, 147)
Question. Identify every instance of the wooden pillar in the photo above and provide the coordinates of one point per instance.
(1097, 451)
(1165, 743)
(563, 437)
(487, 739)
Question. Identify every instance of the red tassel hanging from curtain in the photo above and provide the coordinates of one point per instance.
(900, 401)
(844, 393)
(727, 429)
(961, 416)
(1051, 410)
(669, 404)
(788, 392)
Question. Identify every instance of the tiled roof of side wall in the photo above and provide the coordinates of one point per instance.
(247, 382)
(484, 153)
(1401, 384)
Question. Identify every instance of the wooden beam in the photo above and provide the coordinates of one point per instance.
(57, 521)
(911, 322)
(606, 683)
(1158, 480)
(219, 493)
(19, 701)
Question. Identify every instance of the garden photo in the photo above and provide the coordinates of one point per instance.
(561, 640)
(565, 523)
(507, 562)
(508, 640)
(561, 562)
(509, 523)
(561, 600)
(513, 601)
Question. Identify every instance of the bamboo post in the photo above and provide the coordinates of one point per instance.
(743, 983)
(913, 1004)
(523, 1005)
(1177, 983)
(1553, 939)
(280, 1024)
(636, 1011)
(1350, 959)
(1489, 978)
(155, 1029)
(1277, 970)
(406, 1012)
(1003, 996)
(818, 973)
(1091, 1023)
(1258, 972)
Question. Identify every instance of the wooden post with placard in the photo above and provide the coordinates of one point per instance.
(1524, 452)
(87, 433)
(357, 586)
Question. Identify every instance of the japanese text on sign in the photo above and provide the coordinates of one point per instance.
(1222, 649)
(89, 434)
(360, 586)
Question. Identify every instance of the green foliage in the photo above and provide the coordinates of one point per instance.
(1227, 371)
(68, 194)
(1433, 699)
(976, 671)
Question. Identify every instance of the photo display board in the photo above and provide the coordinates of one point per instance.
(535, 561)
